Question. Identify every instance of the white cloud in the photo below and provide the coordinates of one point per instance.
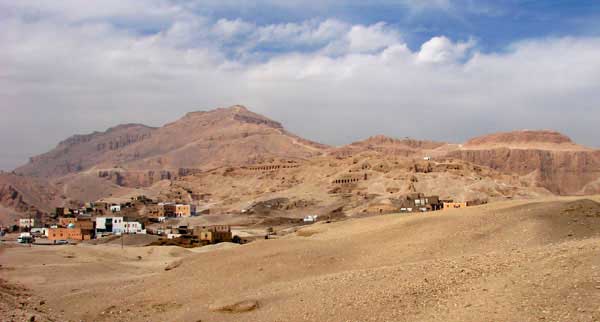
(365, 39)
(442, 50)
(228, 29)
(332, 81)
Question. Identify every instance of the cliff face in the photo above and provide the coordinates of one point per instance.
(81, 152)
(557, 163)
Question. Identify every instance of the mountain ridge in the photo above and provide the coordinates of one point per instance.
(217, 149)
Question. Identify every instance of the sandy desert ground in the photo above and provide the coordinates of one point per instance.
(508, 261)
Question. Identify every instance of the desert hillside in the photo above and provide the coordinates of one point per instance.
(22, 196)
(507, 261)
(199, 140)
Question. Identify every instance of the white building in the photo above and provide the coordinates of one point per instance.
(133, 227)
(40, 231)
(310, 218)
(113, 225)
(115, 208)
(26, 222)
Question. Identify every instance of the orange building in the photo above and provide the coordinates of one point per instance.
(65, 221)
(68, 233)
(83, 223)
(183, 210)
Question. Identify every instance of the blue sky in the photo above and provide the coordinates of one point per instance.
(331, 71)
(495, 24)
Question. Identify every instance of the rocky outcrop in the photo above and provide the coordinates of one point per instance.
(556, 163)
(21, 195)
(12, 198)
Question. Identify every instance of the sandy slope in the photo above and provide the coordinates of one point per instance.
(510, 261)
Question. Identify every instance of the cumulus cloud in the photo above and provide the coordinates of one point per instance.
(72, 70)
(442, 50)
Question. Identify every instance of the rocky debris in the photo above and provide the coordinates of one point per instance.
(17, 303)
(268, 205)
(235, 307)
(173, 265)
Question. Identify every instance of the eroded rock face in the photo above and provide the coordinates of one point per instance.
(556, 163)
(81, 152)
(125, 178)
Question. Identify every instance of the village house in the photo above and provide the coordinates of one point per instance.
(76, 222)
(177, 210)
(454, 205)
(55, 234)
(310, 218)
(133, 227)
(115, 208)
(109, 225)
(419, 202)
(182, 210)
(213, 234)
(38, 232)
(26, 223)
(65, 221)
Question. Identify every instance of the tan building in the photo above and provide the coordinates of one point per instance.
(214, 234)
(69, 233)
(454, 205)
(83, 223)
(183, 210)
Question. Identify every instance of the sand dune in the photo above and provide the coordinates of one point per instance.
(508, 261)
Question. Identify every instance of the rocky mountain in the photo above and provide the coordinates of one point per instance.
(199, 140)
(551, 159)
(22, 196)
(229, 158)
